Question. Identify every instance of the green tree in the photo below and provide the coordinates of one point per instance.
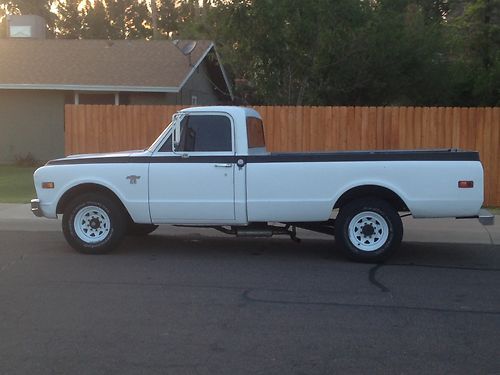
(285, 48)
(271, 44)
(168, 20)
(475, 52)
(95, 21)
(127, 19)
(3, 22)
(393, 56)
(324, 52)
(69, 20)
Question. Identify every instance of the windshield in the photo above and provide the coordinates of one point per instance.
(158, 140)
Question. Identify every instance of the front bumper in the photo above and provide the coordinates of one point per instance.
(35, 208)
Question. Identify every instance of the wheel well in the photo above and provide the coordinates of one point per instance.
(372, 191)
(87, 188)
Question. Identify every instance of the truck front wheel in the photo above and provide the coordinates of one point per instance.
(368, 230)
(93, 223)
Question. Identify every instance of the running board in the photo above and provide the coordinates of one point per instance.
(267, 230)
(261, 230)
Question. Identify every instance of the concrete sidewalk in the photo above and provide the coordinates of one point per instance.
(18, 217)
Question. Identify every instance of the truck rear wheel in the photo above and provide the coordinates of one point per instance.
(368, 230)
(93, 223)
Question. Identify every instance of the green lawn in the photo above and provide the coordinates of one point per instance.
(16, 184)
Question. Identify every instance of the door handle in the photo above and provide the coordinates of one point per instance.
(223, 165)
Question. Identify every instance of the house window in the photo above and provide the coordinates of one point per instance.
(194, 100)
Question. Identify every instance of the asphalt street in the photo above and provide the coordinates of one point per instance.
(191, 304)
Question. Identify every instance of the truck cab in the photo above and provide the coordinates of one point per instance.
(202, 177)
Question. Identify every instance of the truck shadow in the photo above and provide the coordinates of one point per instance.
(410, 253)
(229, 247)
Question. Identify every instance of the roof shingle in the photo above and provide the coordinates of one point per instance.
(156, 65)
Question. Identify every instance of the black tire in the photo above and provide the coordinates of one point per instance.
(368, 230)
(135, 229)
(98, 215)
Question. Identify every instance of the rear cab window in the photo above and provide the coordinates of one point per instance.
(255, 134)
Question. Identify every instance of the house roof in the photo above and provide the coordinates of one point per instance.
(98, 65)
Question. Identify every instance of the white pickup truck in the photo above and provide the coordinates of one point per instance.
(210, 168)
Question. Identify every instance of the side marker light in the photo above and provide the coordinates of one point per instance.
(465, 184)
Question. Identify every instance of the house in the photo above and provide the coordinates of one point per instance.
(39, 76)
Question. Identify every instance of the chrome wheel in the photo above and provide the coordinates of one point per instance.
(368, 231)
(92, 224)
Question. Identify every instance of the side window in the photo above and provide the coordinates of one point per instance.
(255, 133)
(206, 133)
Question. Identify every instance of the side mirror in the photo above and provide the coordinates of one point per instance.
(176, 139)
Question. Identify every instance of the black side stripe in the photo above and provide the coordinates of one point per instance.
(361, 156)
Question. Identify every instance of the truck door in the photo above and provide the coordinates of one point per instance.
(195, 184)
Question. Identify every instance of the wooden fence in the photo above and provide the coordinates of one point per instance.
(92, 128)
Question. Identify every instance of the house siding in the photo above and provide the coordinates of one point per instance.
(148, 98)
(31, 122)
(198, 85)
